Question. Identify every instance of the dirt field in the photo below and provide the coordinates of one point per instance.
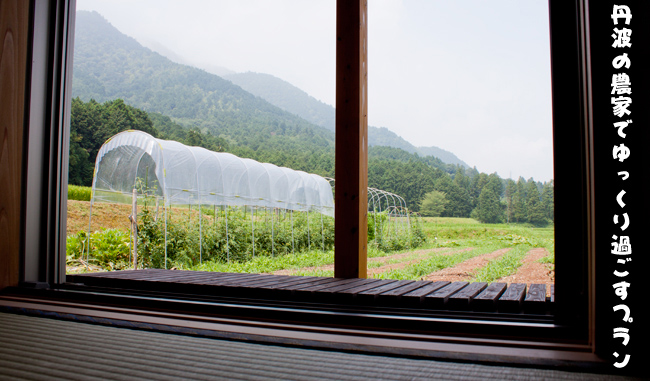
(111, 216)
(532, 271)
(463, 271)
(116, 216)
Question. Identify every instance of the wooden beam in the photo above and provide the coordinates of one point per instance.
(351, 166)
(14, 22)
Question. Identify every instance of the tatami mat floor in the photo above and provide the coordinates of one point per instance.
(42, 348)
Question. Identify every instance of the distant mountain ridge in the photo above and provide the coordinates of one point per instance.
(110, 65)
(246, 109)
(441, 154)
(296, 101)
(286, 96)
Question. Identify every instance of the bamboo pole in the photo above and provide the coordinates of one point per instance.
(253, 229)
(90, 215)
(165, 206)
(322, 231)
(272, 233)
(134, 224)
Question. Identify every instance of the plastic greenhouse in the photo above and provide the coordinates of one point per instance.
(184, 175)
(133, 164)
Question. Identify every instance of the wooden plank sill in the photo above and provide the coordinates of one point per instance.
(441, 295)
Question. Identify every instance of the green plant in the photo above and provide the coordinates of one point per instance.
(397, 234)
(433, 263)
(75, 247)
(504, 266)
(79, 193)
(109, 248)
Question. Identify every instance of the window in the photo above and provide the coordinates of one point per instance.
(43, 261)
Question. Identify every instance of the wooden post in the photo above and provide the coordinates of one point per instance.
(134, 222)
(14, 45)
(351, 166)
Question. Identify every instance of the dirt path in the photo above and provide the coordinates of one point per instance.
(375, 270)
(463, 271)
(401, 265)
(532, 271)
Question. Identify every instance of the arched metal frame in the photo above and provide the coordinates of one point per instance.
(393, 205)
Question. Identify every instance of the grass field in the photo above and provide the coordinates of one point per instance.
(450, 243)
(460, 239)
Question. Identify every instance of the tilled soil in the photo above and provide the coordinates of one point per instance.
(401, 265)
(533, 271)
(464, 271)
(109, 216)
(420, 254)
(530, 272)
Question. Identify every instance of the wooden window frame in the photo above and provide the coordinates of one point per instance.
(46, 141)
(47, 134)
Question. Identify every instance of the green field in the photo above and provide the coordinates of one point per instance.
(466, 237)
(459, 238)
(220, 238)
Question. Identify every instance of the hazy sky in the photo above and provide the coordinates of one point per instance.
(469, 76)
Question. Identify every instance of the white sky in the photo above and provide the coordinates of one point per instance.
(471, 76)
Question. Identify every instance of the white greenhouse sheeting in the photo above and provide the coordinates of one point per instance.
(184, 175)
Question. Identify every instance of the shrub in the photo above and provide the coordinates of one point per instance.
(189, 243)
(109, 248)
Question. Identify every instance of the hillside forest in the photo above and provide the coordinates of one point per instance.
(428, 185)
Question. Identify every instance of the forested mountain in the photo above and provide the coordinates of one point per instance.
(441, 154)
(286, 96)
(110, 65)
(290, 98)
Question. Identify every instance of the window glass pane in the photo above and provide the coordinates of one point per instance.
(460, 128)
(465, 88)
(234, 158)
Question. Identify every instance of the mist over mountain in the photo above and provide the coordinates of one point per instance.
(286, 96)
(110, 65)
(290, 98)
(441, 154)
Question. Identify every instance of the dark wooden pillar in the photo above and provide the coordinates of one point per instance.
(351, 192)
(14, 22)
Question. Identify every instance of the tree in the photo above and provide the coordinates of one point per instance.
(460, 179)
(194, 138)
(91, 124)
(433, 204)
(519, 212)
(534, 206)
(83, 119)
(411, 180)
(459, 202)
(476, 186)
(80, 170)
(511, 189)
(489, 208)
(548, 201)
